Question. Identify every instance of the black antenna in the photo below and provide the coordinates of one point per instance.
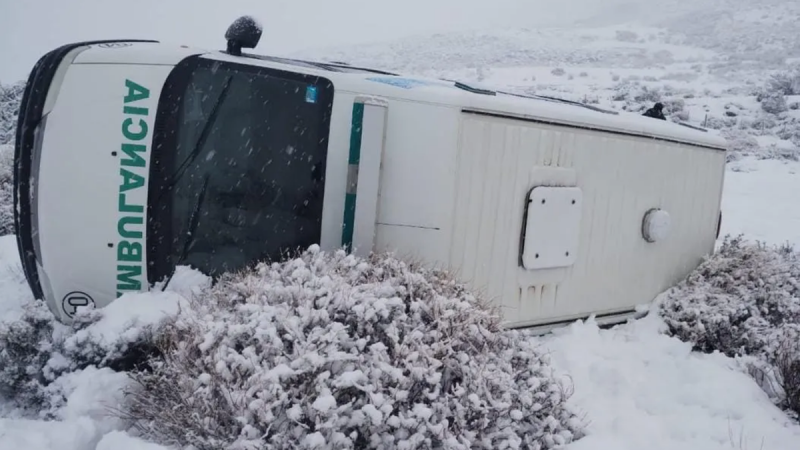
(244, 32)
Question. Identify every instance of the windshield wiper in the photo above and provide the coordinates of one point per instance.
(198, 146)
(212, 118)
(194, 219)
(191, 237)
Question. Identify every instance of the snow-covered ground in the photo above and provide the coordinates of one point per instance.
(640, 389)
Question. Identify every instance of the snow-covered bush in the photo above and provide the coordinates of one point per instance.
(25, 348)
(679, 76)
(719, 123)
(10, 98)
(36, 351)
(663, 57)
(740, 143)
(626, 36)
(675, 107)
(762, 124)
(558, 71)
(330, 351)
(6, 190)
(790, 131)
(633, 92)
(774, 103)
(785, 83)
(743, 301)
(787, 367)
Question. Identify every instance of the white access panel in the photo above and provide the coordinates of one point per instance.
(552, 227)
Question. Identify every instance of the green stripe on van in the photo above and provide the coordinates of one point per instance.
(353, 159)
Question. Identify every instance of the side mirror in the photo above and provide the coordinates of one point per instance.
(244, 32)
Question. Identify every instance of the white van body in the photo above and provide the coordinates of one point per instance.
(554, 211)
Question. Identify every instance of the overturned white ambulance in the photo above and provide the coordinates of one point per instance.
(134, 157)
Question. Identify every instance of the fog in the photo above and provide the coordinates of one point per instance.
(29, 28)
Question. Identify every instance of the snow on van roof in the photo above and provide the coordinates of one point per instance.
(557, 111)
(474, 97)
(478, 98)
(468, 96)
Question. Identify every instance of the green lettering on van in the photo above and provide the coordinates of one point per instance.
(127, 278)
(134, 135)
(132, 151)
(132, 192)
(127, 233)
(136, 92)
(130, 180)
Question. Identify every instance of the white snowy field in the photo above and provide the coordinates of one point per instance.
(704, 58)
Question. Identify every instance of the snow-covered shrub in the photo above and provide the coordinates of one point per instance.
(681, 116)
(10, 98)
(790, 131)
(743, 301)
(26, 346)
(740, 143)
(330, 351)
(36, 351)
(626, 36)
(787, 367)
(719, 123)
(785, 83)
(680, 76)
(675, 107)
(774, 103)
(733, 109)
(6, 190)
(763, 124)
(635, 93)
(663, 57)
(558, 71)
(728, 302)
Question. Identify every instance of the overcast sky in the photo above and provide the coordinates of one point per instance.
(29, 28)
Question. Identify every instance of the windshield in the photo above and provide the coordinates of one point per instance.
(238, 166)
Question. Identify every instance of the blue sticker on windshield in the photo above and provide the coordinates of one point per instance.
(405, 83)
(311, 94)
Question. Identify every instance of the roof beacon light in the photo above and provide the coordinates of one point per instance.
(244, 32)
